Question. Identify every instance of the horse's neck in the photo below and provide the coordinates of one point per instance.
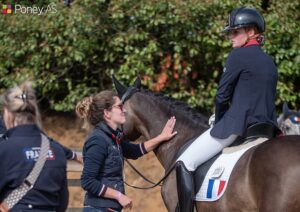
(167, 151)
(150, 126)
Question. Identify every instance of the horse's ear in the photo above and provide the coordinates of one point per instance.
(137, 82)
(121, 89)
(285, 109)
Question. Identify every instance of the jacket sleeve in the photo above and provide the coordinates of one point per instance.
(133, 151)
(95, 152)
(70, 155)
(226, 86)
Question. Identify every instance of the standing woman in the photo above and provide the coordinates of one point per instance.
(245, 96)
(104, 151)
(20, 151)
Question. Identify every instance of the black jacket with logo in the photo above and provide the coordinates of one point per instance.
(18, 153)
(70, 155)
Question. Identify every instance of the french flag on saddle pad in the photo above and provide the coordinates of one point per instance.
(215, 188)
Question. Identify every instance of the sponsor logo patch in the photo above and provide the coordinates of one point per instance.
(32, 154)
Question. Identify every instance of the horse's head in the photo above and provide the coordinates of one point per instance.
(143, 115)
(289, 121)
(125, 93)
(147, 113)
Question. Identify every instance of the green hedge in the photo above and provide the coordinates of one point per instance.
(175, 46)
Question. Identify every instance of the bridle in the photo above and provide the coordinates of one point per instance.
(129, 92)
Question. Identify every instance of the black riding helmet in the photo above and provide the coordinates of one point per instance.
(244, 17)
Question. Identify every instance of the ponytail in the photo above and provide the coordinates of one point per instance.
(21, 102)
(91, 109)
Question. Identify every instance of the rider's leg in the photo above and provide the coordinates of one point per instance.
(185, 188)
(202, 149)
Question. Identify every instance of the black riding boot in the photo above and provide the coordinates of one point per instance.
(185, 188)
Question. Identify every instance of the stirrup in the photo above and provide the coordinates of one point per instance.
(185, 188)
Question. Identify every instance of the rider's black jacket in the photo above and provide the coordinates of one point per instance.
(246, 92)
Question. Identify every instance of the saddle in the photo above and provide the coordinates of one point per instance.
(258, 130)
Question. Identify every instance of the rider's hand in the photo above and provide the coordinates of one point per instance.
(211, 121)
(125, 201)
(167, 133)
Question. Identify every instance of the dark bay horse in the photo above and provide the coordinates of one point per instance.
(266, 178)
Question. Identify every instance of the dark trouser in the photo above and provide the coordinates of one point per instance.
(185, 188)
(32, 208)
(91, 209)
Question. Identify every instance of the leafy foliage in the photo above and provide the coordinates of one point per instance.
(175, 46)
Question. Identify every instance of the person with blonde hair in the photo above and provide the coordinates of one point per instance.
(25, 150)
(104, 151)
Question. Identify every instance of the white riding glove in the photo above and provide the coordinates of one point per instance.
(211, 120)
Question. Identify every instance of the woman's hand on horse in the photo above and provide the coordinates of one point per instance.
(125, 201)
(167, 133)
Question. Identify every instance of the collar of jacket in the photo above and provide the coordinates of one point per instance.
(252, 42)
(23, 130)
(2, 126)
(116, 135)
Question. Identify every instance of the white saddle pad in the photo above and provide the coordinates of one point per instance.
(217, 177)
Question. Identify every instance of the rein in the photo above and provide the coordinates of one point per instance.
(129, 92)
(146, 179)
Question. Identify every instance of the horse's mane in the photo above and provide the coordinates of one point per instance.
(179, 109)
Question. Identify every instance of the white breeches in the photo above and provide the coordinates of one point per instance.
(204, 148)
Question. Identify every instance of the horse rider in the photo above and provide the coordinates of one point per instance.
(245, 96)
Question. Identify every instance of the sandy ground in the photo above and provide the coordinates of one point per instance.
(67, 130)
